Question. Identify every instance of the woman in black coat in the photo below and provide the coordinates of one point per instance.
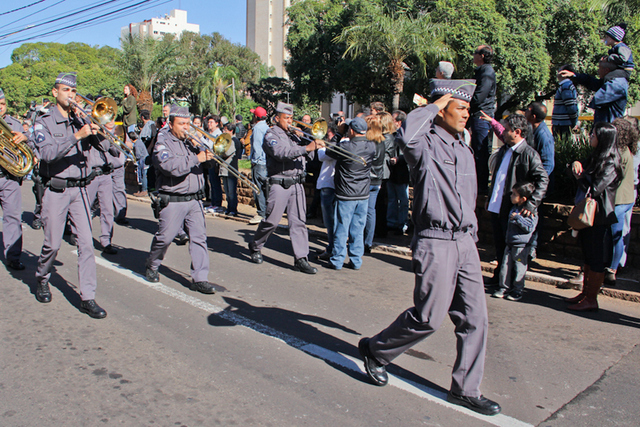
(599, 177)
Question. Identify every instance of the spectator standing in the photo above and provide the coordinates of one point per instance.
(376, 108)
(598, 176)
(398, 184)
(374, 134)
(259, 163)
(241, 131)
(611, 88)
(352, 185)
(213, 124)
(565, 106)
(444, 70)
(325, 184)
(520, 230)
(484, 99)
(129, 106)
(141, 151)
(229, 181)
(627, 142)
(516, 161)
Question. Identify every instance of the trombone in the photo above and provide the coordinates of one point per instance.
(318, 130)
(220, 145)
(104, 111)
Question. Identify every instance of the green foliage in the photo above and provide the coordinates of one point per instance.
(36, 65)
(267, 92)
(567, 151)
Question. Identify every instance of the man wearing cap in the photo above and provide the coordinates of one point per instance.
(352, 181)
(11, 197)
(285, 169)
(180, 180)
(445, 258)
(64, 141)
(259, 163)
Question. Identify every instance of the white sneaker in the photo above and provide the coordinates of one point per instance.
(256, 220)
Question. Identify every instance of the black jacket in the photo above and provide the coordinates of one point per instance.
(352, 179)
(377, 166)
(525, 165)
(398, 173)
(603, 186)
(484, 97)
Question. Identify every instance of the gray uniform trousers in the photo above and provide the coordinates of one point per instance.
(293, 201)
(119, 193)
(11, 201)
(102, 188)
(172, 218)
(448, 280)
(55, 207)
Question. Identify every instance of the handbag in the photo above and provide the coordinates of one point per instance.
(583, 213)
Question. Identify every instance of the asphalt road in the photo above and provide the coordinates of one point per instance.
(278, 347)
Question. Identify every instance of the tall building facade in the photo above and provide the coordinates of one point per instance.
(267, 31)
(173, 23)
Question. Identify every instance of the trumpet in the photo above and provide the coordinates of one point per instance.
(104, 111)
(17, 159)
(220, 145)
(318, 130)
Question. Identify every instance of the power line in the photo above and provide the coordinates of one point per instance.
(36, 12)
(23, 7)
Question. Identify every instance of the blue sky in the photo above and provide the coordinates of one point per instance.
(225, 17)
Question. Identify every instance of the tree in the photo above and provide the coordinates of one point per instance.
(215, 89)
(395, 36)
(267, 92)
(146, 61)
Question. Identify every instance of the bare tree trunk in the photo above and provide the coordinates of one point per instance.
(397, 81)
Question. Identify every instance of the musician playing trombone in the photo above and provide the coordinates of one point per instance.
(64, 140)
(11, 197)
(180, 181)
(285, 170)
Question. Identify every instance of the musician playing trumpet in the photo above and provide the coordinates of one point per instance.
(11, 197)
(286, 160)
(64, 140)
(180, 180)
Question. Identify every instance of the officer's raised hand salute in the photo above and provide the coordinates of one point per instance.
(180, 180)
(286, 161)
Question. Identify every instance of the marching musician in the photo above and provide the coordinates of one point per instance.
(64, 141)
(180, 180)
(286, 161)
(11, 197)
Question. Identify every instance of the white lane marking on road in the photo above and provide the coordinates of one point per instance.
(340, 359)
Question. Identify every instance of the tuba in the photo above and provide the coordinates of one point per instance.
(17, 159)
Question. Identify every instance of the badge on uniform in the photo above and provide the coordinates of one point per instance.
(164, 155)
(39, 137)
(58, 135)
(273, 142)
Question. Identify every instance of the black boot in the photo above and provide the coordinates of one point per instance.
(43, 294)
(302, 264)
(92, 309)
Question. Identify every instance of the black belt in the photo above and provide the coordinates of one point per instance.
(59, 184)
(102, 170)
(287, 181)
(173, 197)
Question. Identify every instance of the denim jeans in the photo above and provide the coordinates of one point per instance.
(514, 268)
(350, 218)
(398, 206)
(620, 232)
(481, 144)
(370, 227)
(327, 203)
(142, 173)
(216, 187)
(230, 184)
(259, 178)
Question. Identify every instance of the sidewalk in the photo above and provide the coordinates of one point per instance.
(550, 269)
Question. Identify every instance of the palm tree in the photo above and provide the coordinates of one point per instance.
(396, 36)
(214, 88)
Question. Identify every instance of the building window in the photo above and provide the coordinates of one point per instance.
(155, 32)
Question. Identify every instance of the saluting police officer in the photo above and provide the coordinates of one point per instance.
(445, 258)
(11, 198)
(285, 170)
(180, 180)
(64, 142)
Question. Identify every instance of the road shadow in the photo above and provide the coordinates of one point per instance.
(298, 331)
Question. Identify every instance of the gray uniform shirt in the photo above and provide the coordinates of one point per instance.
(284, 156)
(61, 155)
(444, 177)
(178, 170)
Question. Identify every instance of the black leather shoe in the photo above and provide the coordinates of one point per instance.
(36, 224)
(109, 250)
(92, 309)
(203, 287)
(182, 239)
(376, 372)
(256, 257)
(43, 294)
(480, 404)
(152, 275)
(122, 221)
(15, 265)
(302, 264)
